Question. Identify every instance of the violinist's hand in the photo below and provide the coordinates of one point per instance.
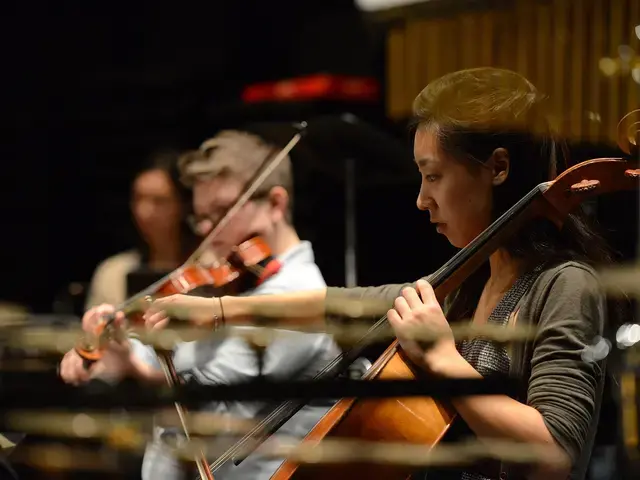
(72, 369)
(198, 310)
(421, 308)
(115, 361)
(94, 316)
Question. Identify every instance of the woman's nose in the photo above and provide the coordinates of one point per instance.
(423, 202)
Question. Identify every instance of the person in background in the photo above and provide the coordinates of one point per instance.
(159, 205)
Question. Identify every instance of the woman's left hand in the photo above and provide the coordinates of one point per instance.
(421, 309)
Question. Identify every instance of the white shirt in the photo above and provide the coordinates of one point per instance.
(231, 360)
(109, 281)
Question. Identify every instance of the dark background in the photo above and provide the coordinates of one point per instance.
(95, 89)
(91, 89)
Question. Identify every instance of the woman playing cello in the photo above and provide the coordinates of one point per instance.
(478, 150)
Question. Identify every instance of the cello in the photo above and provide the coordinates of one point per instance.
(247, 266)
(423, 420)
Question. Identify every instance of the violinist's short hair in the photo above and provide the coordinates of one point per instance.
(239, 155)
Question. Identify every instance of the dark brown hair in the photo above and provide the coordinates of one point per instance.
(167, 161)
(474, 112)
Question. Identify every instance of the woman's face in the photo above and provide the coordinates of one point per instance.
(156, 207)
(457, 196)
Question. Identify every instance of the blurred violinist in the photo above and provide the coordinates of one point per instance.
(218, 172)
(481, 144)
(159, 206)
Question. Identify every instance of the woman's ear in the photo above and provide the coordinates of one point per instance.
(279, 202)
(499, 163)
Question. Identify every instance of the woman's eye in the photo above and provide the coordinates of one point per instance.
(431, 178)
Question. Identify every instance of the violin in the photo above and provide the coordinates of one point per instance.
(247, 266)
(424, 420)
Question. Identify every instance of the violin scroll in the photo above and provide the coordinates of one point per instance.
(90, 347)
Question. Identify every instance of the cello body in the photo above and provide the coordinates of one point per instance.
(416, 420)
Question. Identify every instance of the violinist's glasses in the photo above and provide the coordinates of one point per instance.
(202, 224)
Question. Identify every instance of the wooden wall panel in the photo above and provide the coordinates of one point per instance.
(557, 44)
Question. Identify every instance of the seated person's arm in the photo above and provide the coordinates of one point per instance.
(311, 306)
(305, 307)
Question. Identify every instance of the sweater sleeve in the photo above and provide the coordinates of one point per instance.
(563, 387)
(387, 293)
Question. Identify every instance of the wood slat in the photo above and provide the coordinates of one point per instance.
(633, 96)
(577, 44)
(558, 86)
(396, 68)
(616, 35)
(554, 43)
